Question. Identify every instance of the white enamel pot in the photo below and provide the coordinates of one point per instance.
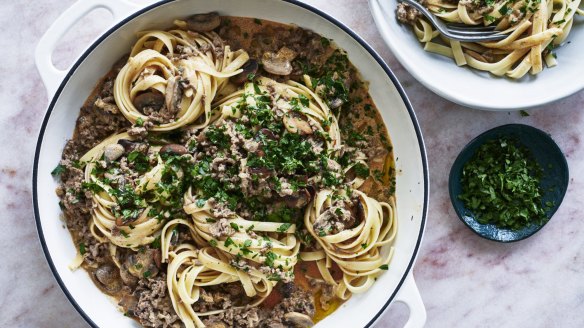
(68, 90)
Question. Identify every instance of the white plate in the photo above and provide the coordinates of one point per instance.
(473, 88)
(71, 87)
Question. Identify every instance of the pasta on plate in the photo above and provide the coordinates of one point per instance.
(534, 28)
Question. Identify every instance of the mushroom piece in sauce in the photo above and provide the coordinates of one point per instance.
(113, 152)
(174, 149)
(249, 68)
(173, 95)
(298, 200)
(204, 22)
(298, 319)
(108, 277)
(154, 100)
(143, 264)
(279, 63)
(295, 123)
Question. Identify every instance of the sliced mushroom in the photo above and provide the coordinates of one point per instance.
(173, 95)
(251, 67)
(274, 65)
(130, 146)
(360, 212)
(295, 123)
(174, 149)
(335, 103)
(113, 152)
(268, 134)
(127, 277)
(143, 264)
(298, 200)
(279, 63)
(153, 100)
(298, 319)
(108, 276)
(204, 22)
(287, 53)
(128, 302)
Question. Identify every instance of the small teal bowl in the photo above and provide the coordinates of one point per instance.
(554, 181)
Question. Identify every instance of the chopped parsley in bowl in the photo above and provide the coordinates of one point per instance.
(508, 182)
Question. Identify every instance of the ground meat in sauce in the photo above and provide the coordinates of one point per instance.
(147, 299)
(295, 300)
(326, 290)
(336, 218)
(154, 308)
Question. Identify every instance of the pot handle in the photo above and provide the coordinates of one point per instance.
(52, 76)
(410, 296)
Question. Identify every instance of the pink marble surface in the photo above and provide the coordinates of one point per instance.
(465, 281)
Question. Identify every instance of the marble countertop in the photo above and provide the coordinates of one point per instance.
(465, 281)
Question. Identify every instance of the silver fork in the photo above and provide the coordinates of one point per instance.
(460, 32)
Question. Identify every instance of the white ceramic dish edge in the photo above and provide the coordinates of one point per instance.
(55, 81)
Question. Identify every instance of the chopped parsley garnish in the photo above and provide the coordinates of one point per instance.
(270, 258)
(384, 267)
(156, 243)
(234, 226)
(139, 121)
(58, 170)
(501, 185)
(361, 170)
(140, 161)
(228, 242)
(82, 248)
(274, 277)
(218, 137)
(91, 186)
(284, 227)
(147, 274)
